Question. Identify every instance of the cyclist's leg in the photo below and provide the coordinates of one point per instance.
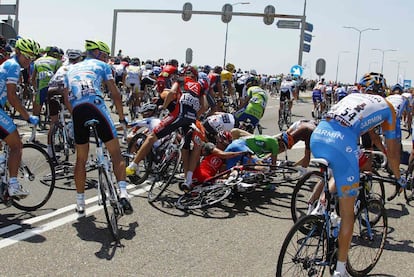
(53, 113)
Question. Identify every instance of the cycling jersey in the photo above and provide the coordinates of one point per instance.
(259, 144)
(400, 105)
(45, 68)
(9, 74)
(256, 106)
(335, 137)
(209, 165)
(133, 73)
(84, 83)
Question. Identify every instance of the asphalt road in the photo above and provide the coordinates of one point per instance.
(239, 237)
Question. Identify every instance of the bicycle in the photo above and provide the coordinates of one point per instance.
(285, 115)
(409, 188)
(35, 174)
(161, 164)
(312, 243)
(317, 112)
(240, 178)
(308, 188)
(107, 192)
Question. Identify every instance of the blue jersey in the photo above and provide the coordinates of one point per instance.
(362, 112)
(84, 80)
(9, 74)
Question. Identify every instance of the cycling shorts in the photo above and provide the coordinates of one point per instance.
(317, 96)
(285, 94)
(54, 105)
(171, 124)
(7, 125)
(338, 145)
(87, 111)
(41, 96)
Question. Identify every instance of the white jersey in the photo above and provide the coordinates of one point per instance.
(399, 103)
(409, 96)
(287, 85)
(119, 69)
(133, 75)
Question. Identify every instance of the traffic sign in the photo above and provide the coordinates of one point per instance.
(306, 47)
(407, 84)
(307, 37)
(308, 27)
(288, 24)
(296, 70)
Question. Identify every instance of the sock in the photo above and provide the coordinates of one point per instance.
(12, 180)
(340, 267)
(122, 187)
(80, 198)
(189, 179)
(133, 165)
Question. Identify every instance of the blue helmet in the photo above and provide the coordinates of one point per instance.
(397, 87)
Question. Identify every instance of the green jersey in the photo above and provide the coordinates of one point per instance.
(262, 144)
(257, 103)
(45, 67)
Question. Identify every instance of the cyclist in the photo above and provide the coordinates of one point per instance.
(83, 88)
(44, 68)
(26, 51)
(286, 92)
(340, 93)
(56, 87)
(318, 96)
(218, 122)
(335, 139)
(226, 77)
(260, 145)
(189, 106)
(132, 80)
(300, 130)
(253, 104)
(119, 71)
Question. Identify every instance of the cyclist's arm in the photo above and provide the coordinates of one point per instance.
(376, 140)
(34, 78)
(66, 100)
(170, 95)
(226, 155)
(15, 102)
(116, 97)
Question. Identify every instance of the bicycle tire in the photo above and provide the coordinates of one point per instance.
(164, 178)
(144, 165)
(409, 190)
(377, 187)
(58, 144)
(313, 245)
(363, 248)
(109, 201)
(37, 175)
(203, 196)
(302, 193)
(283, 174)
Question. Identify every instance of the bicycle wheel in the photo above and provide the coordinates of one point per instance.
(303, 198)
(164, 177)
(409, 191)
(109, 201)
(377, 187)
(282, 174)
(204, 196)
(144, 165)
(368, 239)
(304, 254)
(37, 175)
(58, 144)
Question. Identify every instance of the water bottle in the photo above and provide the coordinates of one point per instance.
(335, 224)
(2, 162)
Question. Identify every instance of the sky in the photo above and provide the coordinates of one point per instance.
(250, 45)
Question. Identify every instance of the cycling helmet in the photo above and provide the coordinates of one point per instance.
(252, 81)
(253, 72)
(218, 69)
(397, 88)
(207, 69)
(190, 69)
(288, 140)
(374, 82)
(92, 45)
(230, 67)
(156, 70)
(225, 137)
(27, 46)
(135, 61)
(73, 54)
(148, 108)
(173, 62)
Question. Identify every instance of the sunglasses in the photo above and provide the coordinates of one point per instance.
(28, 56)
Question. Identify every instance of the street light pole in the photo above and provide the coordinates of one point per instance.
(398, 68)
(227, 32)
(337, 65)
(383, 52)
(359, 44)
